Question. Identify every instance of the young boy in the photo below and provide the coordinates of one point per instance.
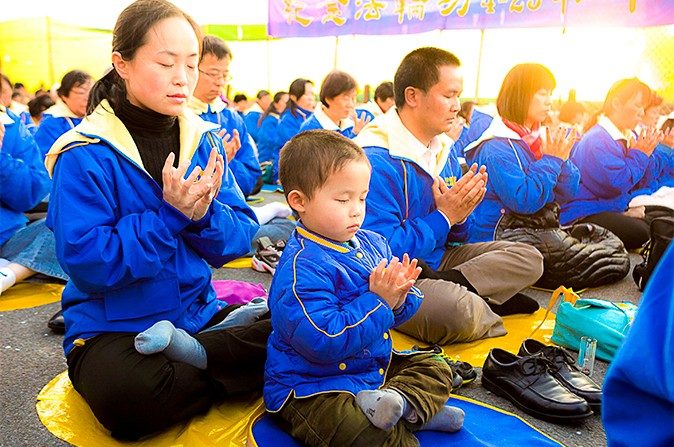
(331, 374)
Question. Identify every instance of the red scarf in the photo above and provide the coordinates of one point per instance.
(531, 137)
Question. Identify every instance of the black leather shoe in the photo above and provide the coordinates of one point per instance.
(564, 369)
(57, 324)
(526, 382)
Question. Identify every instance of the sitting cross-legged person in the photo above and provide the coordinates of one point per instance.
(331, 374)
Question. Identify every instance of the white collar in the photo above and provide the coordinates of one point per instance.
(388, 131)
(611, 128)
(255, 108)
(496, 129)
(5, 119)
(199, 107)
(326, 122)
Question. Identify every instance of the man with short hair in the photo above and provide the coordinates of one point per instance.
(206, 102)
(383, 101)
(419, 203)
(252, 117)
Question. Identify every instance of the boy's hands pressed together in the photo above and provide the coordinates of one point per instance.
(394, 281)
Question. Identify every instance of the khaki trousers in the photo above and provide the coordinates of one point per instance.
(450, 313)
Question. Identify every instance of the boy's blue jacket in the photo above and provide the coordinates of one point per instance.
(320, 120)
(245, 165)
(56, 120)
(609, 174)
(479, 122)
(23, 179)
(330, 333)
(132, 258)
(288, 126)
(518, 183)
(400, 204)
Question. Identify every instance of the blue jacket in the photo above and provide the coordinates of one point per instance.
(23, 179)
(638, 407)
(288, 126)
(659, 173)
(266, 137)
(56, 120)
(518, 183)
(400, 204)
(132, 258)
(245, 165)
(319, 120)
(27, 121)
(608, 175)
(251, 118)
(330, 333)
(479, 122)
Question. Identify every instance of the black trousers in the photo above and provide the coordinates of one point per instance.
(634, 232)
(134, 395)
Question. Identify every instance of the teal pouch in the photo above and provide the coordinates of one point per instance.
(604, 321)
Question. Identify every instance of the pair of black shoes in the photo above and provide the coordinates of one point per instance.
(542, 381)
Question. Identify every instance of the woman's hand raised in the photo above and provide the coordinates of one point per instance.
(189, 195)
(558, 142)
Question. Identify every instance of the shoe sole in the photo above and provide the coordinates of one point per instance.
(491, 386)
(260, 266)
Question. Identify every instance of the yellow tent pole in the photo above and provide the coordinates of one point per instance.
(50, 56)
(479, 65)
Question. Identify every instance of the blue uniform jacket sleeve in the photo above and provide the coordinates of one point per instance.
(525, 190)
(99, 250)
(660, 166)
(567, 182)
(48, 132)
(250, 120)
(606, 170)
(409, 308)
(245, 165)
(23, 178)
(386, 215)
(321, 327)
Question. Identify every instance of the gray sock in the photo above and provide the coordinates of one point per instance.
(449, 419)
(176, 344)
(383, 408)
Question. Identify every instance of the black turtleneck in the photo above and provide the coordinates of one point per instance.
(155, 135)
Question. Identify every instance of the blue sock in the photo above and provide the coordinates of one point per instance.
(243, 316)
(176, 344)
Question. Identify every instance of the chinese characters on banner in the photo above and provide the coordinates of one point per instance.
(298, 18)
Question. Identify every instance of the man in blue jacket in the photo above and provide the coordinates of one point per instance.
(206, 102)
(417, 203)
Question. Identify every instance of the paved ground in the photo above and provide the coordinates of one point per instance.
(30, 356)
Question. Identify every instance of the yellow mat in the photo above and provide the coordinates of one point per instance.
(241, 263)
(25, 295)
(519, 328)
(65, 414)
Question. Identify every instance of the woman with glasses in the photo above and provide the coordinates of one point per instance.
(66, 114)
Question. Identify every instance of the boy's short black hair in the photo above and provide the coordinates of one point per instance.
(308, 159)
(240, 97)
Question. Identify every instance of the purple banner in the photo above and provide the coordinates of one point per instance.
(304, 18)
